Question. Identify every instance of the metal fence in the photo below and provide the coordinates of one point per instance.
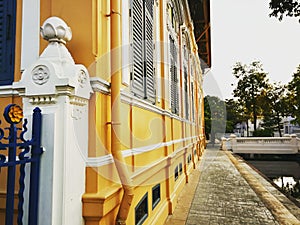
(17, 153)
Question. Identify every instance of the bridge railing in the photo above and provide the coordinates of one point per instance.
(262, 145)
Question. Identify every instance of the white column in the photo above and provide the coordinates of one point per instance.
(61, 89)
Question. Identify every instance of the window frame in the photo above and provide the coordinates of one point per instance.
(176, 173)
(157, 200)
(145, 216)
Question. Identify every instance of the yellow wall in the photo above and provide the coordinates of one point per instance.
(141, 127)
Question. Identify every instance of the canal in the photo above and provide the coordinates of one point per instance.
(285, 174)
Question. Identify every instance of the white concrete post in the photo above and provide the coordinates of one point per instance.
(62, 90)
(294, 143)
(233, 142)
(224, 143)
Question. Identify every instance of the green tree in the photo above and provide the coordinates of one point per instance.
(252, 80)
(215, 116)
(281, 8)
(275, 104)
(234, 115)
(294, 96)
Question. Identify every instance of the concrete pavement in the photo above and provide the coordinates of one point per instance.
(224, 190)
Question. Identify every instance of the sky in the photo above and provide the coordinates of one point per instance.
(242, 31)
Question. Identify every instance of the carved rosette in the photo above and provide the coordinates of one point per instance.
(82, 78)
(40, 74)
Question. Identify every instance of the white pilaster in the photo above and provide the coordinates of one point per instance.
(61, 89)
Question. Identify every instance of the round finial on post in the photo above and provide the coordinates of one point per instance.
(55, 29)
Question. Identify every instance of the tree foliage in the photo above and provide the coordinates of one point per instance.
(234, 113)
(294, 96)
(252, 80)
(215, 116)
(275, 108)
(281, 8)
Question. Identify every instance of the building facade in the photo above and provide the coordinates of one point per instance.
(123, 130)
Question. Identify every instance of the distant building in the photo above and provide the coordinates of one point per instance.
(289, 127)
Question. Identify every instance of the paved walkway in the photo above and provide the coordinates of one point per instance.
(219, 194)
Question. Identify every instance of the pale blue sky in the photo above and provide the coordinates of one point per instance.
(243, 31)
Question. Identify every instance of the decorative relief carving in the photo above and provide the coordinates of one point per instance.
(78, 112)
(82, 78)
(40, 74)
(36, 100)
(78, 101)
(78, 107)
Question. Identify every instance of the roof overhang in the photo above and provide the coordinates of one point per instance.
(200, 13)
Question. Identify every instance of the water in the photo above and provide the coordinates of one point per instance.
(285, 174)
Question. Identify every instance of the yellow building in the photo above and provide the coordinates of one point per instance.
(144, 129)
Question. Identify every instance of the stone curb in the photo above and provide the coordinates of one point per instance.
(280, 212)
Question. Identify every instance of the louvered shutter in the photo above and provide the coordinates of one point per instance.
(173, 78)
(7, 37)
(172, 68)
(138, 87)
(186, 97)
(193, 102)
(176, 82)
(148, 36)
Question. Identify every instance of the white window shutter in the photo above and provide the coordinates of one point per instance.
(137, 78)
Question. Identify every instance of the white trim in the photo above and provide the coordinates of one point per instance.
(126, 61)
(157, 53)
(137, 151)
(100, 85)
(30, 45)
(130, 99)
(134, 101)
(99, 161)
(7, 91)
(108, 159)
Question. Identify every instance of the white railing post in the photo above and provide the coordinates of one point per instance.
(298, 144)
(294, 143)
(61, 89)
(233, 142)
(224, 143)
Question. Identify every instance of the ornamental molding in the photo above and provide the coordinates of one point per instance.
(78, 101)
(41, 100)
(100, 85)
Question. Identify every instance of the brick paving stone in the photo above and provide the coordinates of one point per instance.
(224, 197)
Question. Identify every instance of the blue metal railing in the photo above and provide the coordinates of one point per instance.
(19, 151)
